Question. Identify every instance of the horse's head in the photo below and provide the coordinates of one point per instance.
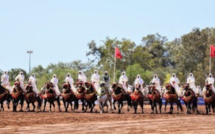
(66, 86)
(29, 87)
(137, 87)
(186, 86)
(208, 86)
(114, 86)
(87, 85)
(168, 88)
(17, 84)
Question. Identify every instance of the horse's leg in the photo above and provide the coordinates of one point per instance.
(21, 102)
(28, 107)
(64, 103)
(206, 108)
(44, 107)
(151, 103)
(119, 110)
(1, 106)
(67, 106)
(141, 104)
(111, 103)
(33, 106)
(156, 110)
(171, 108)
(160, 105)
(8, 101)
(14, 105)
(83, 105)
(114, 107)
(58, 103)
(76, 105)
(50, 106)
(195, 105)
(165, 105)
(92, 106)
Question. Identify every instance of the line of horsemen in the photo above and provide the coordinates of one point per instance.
(104, 92)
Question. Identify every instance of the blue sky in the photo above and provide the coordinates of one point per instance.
(59, 30)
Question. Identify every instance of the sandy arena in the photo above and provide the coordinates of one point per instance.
(111, 122)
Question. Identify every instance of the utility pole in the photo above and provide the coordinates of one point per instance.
(29, 52)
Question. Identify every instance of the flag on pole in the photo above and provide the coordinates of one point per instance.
(118, 54)
(212, 51)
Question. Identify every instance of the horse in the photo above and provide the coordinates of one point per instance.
(190, 98)
(80, 94)
(154, 99)
(103, 97)
(171, 97)
(17, 95)
(48, 95)
(107, 87)
(90, 96)
(209, 98)
(68, 96)
(118, 96)
(4, 95)
(137, 98)
(31, 97)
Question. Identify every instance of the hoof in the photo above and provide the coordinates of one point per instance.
(152, 112)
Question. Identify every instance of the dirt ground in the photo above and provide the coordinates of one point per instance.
(111, 122)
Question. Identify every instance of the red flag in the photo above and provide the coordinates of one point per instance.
(212, 53)
(117, 53)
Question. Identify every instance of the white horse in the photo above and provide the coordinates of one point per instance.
(102, 97)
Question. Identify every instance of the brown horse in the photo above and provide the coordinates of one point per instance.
(171, 97)
(4, 95)
(118, 96)
(80, 94)
(17, 95)
(137, 98)
(154, 98)
(90, 96)
(190, 98)
(209, 98)
(68, 96)
(49, 95)
(30, 97)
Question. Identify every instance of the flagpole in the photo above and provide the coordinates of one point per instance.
(114, 70)
(210, 62)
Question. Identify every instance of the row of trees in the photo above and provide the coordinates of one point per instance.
(155, 55)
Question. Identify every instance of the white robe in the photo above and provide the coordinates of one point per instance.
(21, 79)
(139, 81)
(95, 80)
(191, 81)
(209, 80)
(123, 81)
(174, 82)
(33, 81)
(55, 82)
(156, 81)
(5, 82)
(71, 82)
(82, 77)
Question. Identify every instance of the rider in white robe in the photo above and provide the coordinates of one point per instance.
(33, 81)
(123, 81)
(174, 82)
(95, 79)
(191, 82)
(5, 81)
(70, 80)
(54, 81)
(82, 77)
(139, 81)
(21, 78)
(156, 82)
(209, 80)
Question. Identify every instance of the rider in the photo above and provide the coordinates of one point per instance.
(106, 79)
(69, 80)
(174, 82)
(21, 78)
(82, 77)
(210, 80)
(139, 80)
(156, 82)
(123, 81)
(191, 82)
(54, 81)
(95, 80)
(5, 81)
(33, 81)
